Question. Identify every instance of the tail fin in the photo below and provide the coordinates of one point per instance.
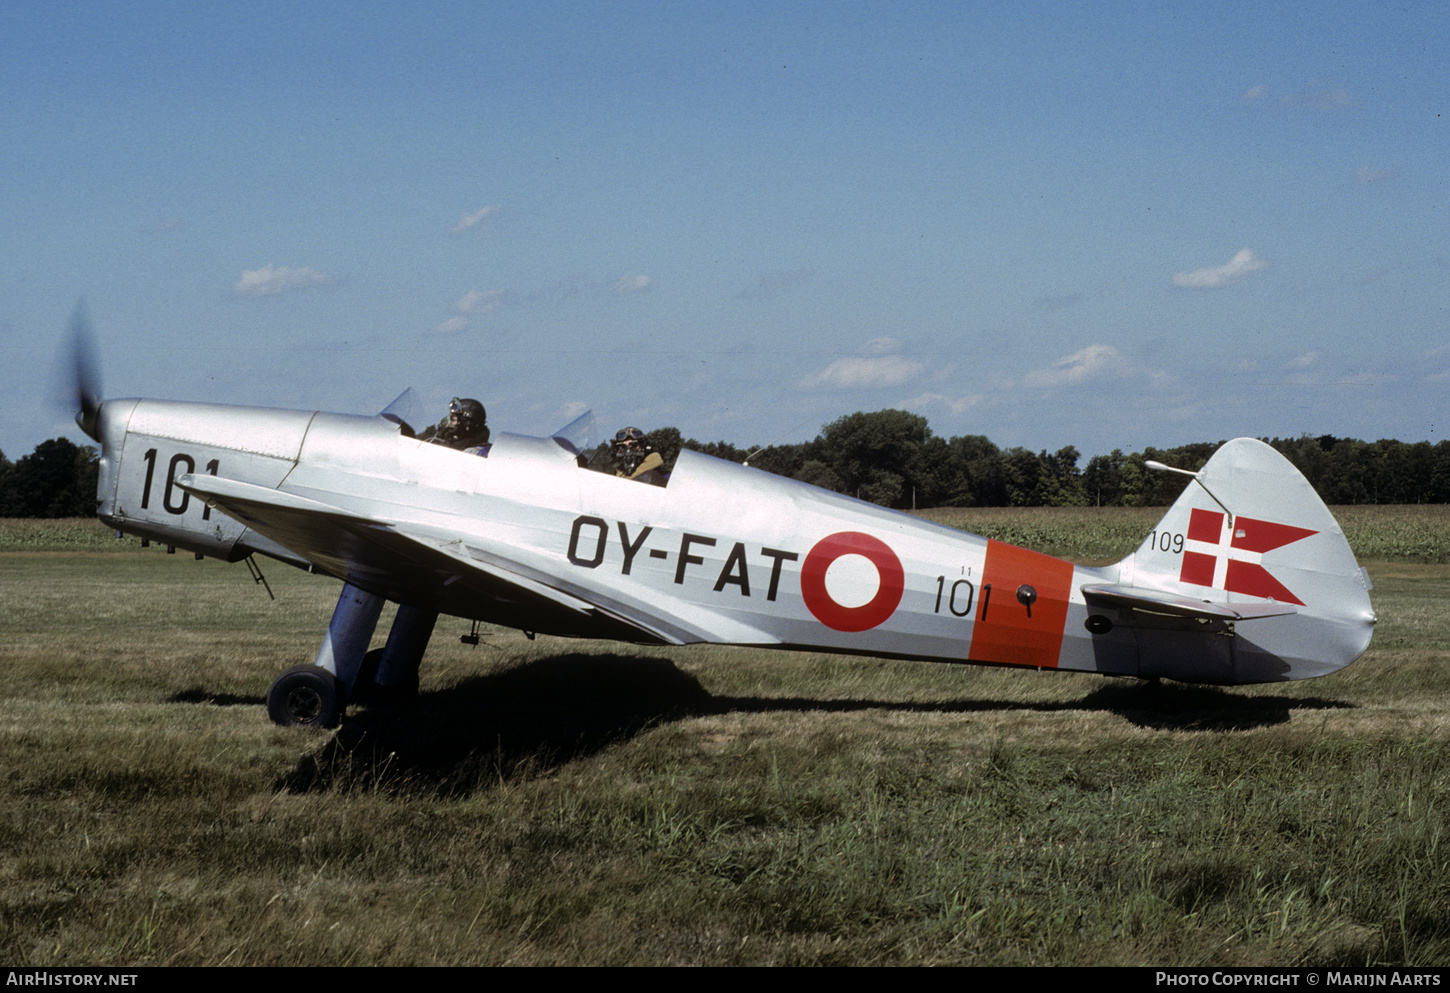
(1250, 534)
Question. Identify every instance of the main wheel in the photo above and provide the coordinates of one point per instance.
(305, 696)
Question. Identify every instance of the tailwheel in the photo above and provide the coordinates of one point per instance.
(305, 696)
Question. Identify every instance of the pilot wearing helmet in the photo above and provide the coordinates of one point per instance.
(635, 458)
(466, 428)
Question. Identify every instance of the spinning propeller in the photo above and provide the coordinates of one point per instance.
(85, 371)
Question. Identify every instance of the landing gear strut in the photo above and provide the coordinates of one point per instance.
(316, 695)
(396, 675)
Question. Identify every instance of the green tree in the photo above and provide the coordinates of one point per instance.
(980, 481)
(783, 460)
(933, 473)
(1154, 488)
(1102, 480)
(719, 449)
(1062, 484)
(878, 455)
(8, 503)
(667, 442)
(1440, 474)
(58, 479)
(1345, 481)
(817, 473)
(1022, 477)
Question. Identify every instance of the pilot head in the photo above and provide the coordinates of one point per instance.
(467, 424)
(629, 448)
(466, 415)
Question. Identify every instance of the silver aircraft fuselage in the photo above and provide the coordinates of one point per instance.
(528, 537)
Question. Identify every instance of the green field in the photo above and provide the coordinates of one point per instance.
(566, 802)
(1106, 534)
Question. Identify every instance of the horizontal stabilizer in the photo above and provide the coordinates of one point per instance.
(1160, 602)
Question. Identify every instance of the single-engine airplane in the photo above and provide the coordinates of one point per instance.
(1246, 579)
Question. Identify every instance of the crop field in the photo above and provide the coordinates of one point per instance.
(577, 802)
(1105, 534)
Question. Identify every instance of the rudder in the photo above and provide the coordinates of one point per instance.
(1251, 530)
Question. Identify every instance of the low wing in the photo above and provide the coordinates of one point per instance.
(427, 567)
(1159, 602)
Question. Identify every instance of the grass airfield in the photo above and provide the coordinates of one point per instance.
(571, 802)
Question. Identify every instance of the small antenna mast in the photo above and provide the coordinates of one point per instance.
(764, 447)
(1151, 464)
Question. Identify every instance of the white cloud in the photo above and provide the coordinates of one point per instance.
(1092, 362)
(876, 365)
(1058, 301)
(167, 225)
(782, 278)
(1301, 370)
(885, 345)
(1243, 264)
(1369, 174)
(957, 405)
(777, 281)
(472, 220)
(1315, 97)
(1321, 98)
(633, 284)
(474, 302)
(271, 280)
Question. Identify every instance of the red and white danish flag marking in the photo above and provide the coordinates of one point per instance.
(1228, 558)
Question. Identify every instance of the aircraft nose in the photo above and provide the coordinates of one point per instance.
(108, 423)
(88, 419)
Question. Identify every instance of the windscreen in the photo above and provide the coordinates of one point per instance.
(405, 411)
(578, 435)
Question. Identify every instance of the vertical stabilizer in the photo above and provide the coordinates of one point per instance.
(1249, 529)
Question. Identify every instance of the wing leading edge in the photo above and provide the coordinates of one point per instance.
(417, 565)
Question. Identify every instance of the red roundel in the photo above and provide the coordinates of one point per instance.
(869, 614)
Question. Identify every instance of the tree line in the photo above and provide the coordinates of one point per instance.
(891, 457)
(58, 479)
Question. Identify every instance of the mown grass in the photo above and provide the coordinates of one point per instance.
(556, 802)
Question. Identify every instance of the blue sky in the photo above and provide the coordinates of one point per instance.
(1104, 225)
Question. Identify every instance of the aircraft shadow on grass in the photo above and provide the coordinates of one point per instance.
(526, 721)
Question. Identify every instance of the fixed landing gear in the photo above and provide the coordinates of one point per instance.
(345, 671)
(391, 673)
(305, 696)
(370, 689)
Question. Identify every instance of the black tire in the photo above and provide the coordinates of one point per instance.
(305, 696)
